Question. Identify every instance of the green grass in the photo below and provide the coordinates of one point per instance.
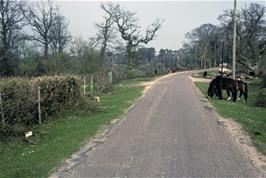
(210, 74)
(136, 80)
(59, 138)
(253, 119)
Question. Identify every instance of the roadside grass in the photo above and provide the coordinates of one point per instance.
(137, 80)
(210, 74)
(59, 138)
(253, 119)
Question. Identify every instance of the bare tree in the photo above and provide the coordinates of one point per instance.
(127, 26)
(59, 34)
(10, 23)
(79, 47)
(41, 16)
(105, 29)
(94, 42)
(130, 31)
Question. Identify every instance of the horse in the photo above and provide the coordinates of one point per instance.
(228, 84)
(219, 83)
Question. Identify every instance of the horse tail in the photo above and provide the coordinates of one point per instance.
(246, 91)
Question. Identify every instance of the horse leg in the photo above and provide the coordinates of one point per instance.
(228, 95)
(241, 93)
(234, 93)
(216, 92)
(220, 93)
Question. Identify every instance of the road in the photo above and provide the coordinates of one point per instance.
(169, 133)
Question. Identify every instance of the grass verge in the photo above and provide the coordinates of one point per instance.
(58, 139)
(210, 74)
(135, 81)
(253, 119)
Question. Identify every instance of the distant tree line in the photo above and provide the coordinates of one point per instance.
(207, 44)
(35, 40)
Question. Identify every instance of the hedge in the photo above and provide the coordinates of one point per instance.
(20, 98)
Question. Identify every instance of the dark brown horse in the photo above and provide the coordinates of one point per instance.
(231, 86)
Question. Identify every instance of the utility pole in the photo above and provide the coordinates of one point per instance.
(234, 42)
(222, 58)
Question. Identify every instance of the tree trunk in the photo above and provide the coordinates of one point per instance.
(130, 56)
(103, 48)
(46, 49)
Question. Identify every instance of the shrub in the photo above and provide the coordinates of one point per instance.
(261, 98)
(134, 73)
(147, 69)
(20, 103)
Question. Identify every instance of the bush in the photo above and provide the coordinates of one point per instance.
(20, 103)
(134, 73)
(147, 69)
(261, 98)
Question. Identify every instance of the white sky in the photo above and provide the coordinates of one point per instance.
(180, 17)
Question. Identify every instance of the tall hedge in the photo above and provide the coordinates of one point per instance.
(20, 98)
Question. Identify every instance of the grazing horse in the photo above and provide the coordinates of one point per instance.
(220, 83)
(230, 85)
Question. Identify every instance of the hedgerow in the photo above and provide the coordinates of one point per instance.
(20, 99)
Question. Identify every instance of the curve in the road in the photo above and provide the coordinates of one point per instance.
(169, 133)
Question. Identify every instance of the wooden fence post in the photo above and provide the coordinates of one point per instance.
(84, 85)
(91, 83)
(97, 84)
(39, 105)
(2, 111)
(110, 78)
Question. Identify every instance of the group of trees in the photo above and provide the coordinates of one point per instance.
(124, 22)
(34, 39)
(207, 44)
(42, 20)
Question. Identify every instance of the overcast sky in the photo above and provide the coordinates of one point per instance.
(179, 17)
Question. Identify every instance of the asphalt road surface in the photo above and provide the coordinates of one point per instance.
(169, 133)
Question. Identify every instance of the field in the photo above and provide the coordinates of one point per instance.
(59, 138)
(253, 119)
